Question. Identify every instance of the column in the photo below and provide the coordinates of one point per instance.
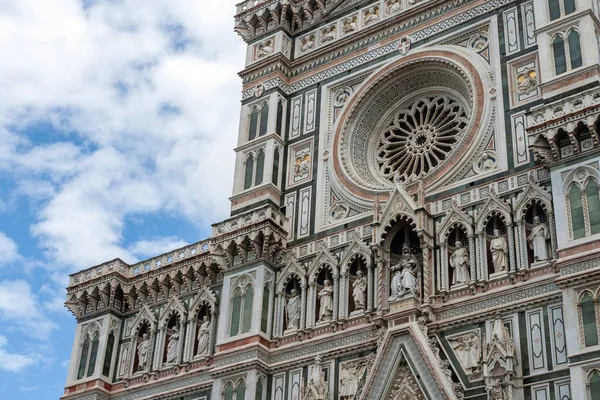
(472, 260)
(336, 302)
(370, 287)
(277, 332)
(522, 262)
(427, 265)
(553, 242)
(309, 305)
(511, 248)
(342, 297)
(443, 262)
(481, 257)
(302, 306)
(189, 339)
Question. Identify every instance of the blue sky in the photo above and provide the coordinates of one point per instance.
(117, 124)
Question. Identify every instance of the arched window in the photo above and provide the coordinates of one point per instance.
(260, 167)
(280, 118)
(259, 389)
(576, 206)
(240, 391)
(569, 6)
(264, 119)
(253, 123)
(594, 383)
(264, 317)
(554, 7)
(247, 320)
(575, 50)
(235, 312)
(248, 172)
(593, 205)
(84, 355)
(588, 317)
(93, 355)
(110, 344)
(275, 176)
(228, 392)
(558, 48)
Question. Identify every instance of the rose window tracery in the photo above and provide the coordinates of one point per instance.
(420, 136)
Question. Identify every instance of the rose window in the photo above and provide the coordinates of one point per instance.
(420, 137)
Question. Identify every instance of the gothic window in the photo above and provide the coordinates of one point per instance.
(260, 167)
(93, 355)
(558, 49)
(248, 172)
(264, 119)
(241, 308)
(557, 8)
(253, 123)
(280, 118)
(228, 392)
(240, 391)
(594, 385)
(259, 389)
(588, 320)
(554, 7)
(576, 205)
(275, 176)
(593, 205)
(84, 355)
(574, 49)
(264, 318)
(110, 344)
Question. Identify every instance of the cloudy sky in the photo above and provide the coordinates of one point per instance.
(117, 123)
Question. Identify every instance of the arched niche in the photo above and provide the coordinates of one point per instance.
(142, 359)
(402, 234)
(458, 248)
(292, 307)
(495, 233)
(357, 284)
(324, 294)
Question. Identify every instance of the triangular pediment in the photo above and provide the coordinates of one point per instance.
(533, 192)
(356, 247)
(145, 315)
(324, 257)
(456, 216)
(293, 268)
(399, 204)
(403, 355)
(492, 204)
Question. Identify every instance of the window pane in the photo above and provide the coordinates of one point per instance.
(280, 118)
(260, 167)
(259, 390)
(229, 392)
(576, 212)
(264, 318)
(241, 391)
(248, 173)
(593, 201)
(235, 312)
(589, 321)
(275, 176)
(554, 7)
(264, 120)
(558, 47)
(108, 354)
(253, 123)
(83, 361)
(595, 386)
(575, 49)
(569, 6)
(248, 297)
(93, 356)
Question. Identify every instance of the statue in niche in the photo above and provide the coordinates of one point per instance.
(498, 390)
(405, 279)
(142, 351)
(459, 261)
(468, 351)
(499, 250)
(348, 381)
(203, 336)
(359, 288)
(326, 302)
(538, 238)
(292, 309)
(172, 347)
(317, 388)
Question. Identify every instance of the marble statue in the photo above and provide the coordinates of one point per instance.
(499, 250)
(359, 288)
(328, 34)
(307, 43)
(538, 238)
(371, 15)
(142, 352)
(264, 49)
(393, 6)
(348, 381)
(459, 261)
(123, 364)
(405, 278)
(326, 302)
(292, 309)
(350, 24)
(204, 336)
(172, 347)
(468, 351)
(498, 390)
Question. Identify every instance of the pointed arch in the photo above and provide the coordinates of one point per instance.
(260, 167)
(575, 58)
(248, 171)
(264, 119)
(253, 123)
(558, 51)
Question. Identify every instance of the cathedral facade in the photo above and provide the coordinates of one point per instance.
(415, 215)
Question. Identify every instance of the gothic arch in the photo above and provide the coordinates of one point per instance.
(357, 248)
(493, 206)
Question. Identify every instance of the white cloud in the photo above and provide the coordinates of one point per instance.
(148, 248)
(9, 251)
(13, 362)
(103, 76)
(20, 308)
